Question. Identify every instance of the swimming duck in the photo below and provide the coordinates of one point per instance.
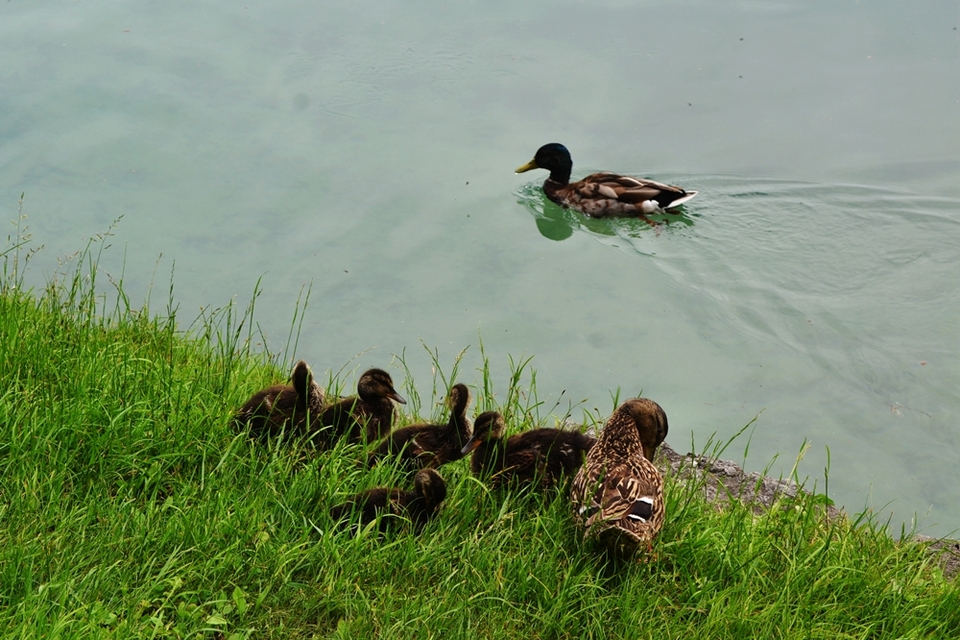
(419, 505)
(537, 457)
(368, 414)
(431, 445)
(602, 195)
(617, 494)
(293, 408)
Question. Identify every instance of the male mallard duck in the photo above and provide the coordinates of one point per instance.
(431, 445)
(602, 195)
(617, 495)
(419, 505)
(538, 456)
(368, 414)
(283, 406)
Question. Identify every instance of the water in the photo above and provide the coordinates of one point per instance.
(367, 150)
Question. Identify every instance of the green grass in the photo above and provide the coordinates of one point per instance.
(129, 508)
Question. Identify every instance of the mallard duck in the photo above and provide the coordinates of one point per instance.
(431, 445)
(368, 414)
(538, 457)
(602, 195)
(617, 494)
(293, 408)
(419, 505)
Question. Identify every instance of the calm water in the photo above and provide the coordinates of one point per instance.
(368, 149)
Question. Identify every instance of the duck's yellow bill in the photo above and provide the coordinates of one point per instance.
(530, 165)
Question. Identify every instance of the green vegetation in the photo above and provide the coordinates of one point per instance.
(130, 508)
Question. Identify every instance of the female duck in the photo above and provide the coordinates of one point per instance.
(617, 495)
(425, 446)
(419, 505)
(292, 408)
(368, 414)
(602, 195)
(540, 457)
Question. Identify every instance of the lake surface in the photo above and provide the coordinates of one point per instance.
(367, 150)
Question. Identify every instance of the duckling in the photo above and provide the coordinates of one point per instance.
(602, 195)
(430, 445)
(617, 495)
(294, 407)
(419, 505)
(368, 414)
(537, 457)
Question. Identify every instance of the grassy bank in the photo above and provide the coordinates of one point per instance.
(129, 508)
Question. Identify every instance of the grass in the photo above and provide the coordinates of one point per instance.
(129, 508)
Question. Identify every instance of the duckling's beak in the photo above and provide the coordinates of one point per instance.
(527, 167)
(472, 444)
(393, 395)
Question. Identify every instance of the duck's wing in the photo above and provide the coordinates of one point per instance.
(602, 194)
(625, 495)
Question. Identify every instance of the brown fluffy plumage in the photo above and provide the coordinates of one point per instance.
(424, 446)
(602, 195)
(540, 457)
(368, 414)
(617, 495)
(294, 408)
(419, 505)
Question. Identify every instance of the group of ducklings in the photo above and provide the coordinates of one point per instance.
(616, 492)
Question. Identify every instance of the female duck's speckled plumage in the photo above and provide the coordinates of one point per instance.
(617, 494)
(540, 457)
(292, 408)
(602, 195)
(419, 505)
(431, 445)
(368, 414)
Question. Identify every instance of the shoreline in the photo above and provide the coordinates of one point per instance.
(725, 479)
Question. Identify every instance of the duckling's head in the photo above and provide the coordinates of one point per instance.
(282, 405)
(430, 486)
(487, 426)
(309, 391)
(377, 383)
(553, 157)
(650, 421)
(458, 398)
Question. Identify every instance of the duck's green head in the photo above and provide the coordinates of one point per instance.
(553, 157)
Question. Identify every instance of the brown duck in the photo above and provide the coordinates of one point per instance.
(292, 408)
(419, 505)
(602, 195)
(369, 414)
(617, 495)
(539, 457)
(424, 446)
